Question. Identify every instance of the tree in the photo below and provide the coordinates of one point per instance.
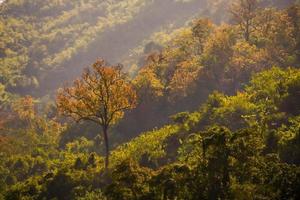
(275, 32)
(183, 81)
(246, 59)
(217, 53)
(216, 150)
(202, 28)
(101, 95)
(243, 12)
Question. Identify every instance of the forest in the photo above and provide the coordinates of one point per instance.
(149, 100)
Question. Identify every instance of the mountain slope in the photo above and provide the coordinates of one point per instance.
(44, 43)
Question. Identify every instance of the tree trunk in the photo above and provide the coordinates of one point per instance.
(247, 31)
(106, 147)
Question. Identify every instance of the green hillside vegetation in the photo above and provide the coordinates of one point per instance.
(46, 39)
(207, 110)
(45, 43)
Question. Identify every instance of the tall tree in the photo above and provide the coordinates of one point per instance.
(101, 95)
(202, 28)
(243, 12)
(217, 53)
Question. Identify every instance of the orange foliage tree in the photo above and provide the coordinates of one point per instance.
(101, 95)
(243, 13)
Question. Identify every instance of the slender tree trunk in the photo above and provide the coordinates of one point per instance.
(106, 147)
(247, 31)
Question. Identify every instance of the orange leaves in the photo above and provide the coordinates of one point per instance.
(202, 28)
(243, 13)
(100, 95)
(246, 57)
(184, 78)
(24, 108)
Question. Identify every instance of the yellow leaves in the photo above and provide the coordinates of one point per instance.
(181, 45)
(100, 95)
(240, 101)
(163, 38)
(4, 96)
(150, 143)
(183, 36)
(147, 82)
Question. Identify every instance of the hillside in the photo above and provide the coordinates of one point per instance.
(179, 99)
(61, 38)
(46, 43)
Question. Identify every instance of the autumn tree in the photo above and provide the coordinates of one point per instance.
(246, 59)
(202, 28)
(243, 13)
(24, 109)
(275, 32)
(217, 53)
(183, 81)
(101, 95)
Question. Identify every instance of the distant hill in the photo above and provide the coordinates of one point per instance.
(44, 43)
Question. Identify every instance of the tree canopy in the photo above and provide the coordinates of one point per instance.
(101, 96)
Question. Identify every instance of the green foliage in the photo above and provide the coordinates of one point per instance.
(234, 131)
(289, 138)
(45, 36)
(97, 194)
(151, 144)
(40, 39)
(60, 186)
(174, 181)
(271, 87)
(128, 181)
